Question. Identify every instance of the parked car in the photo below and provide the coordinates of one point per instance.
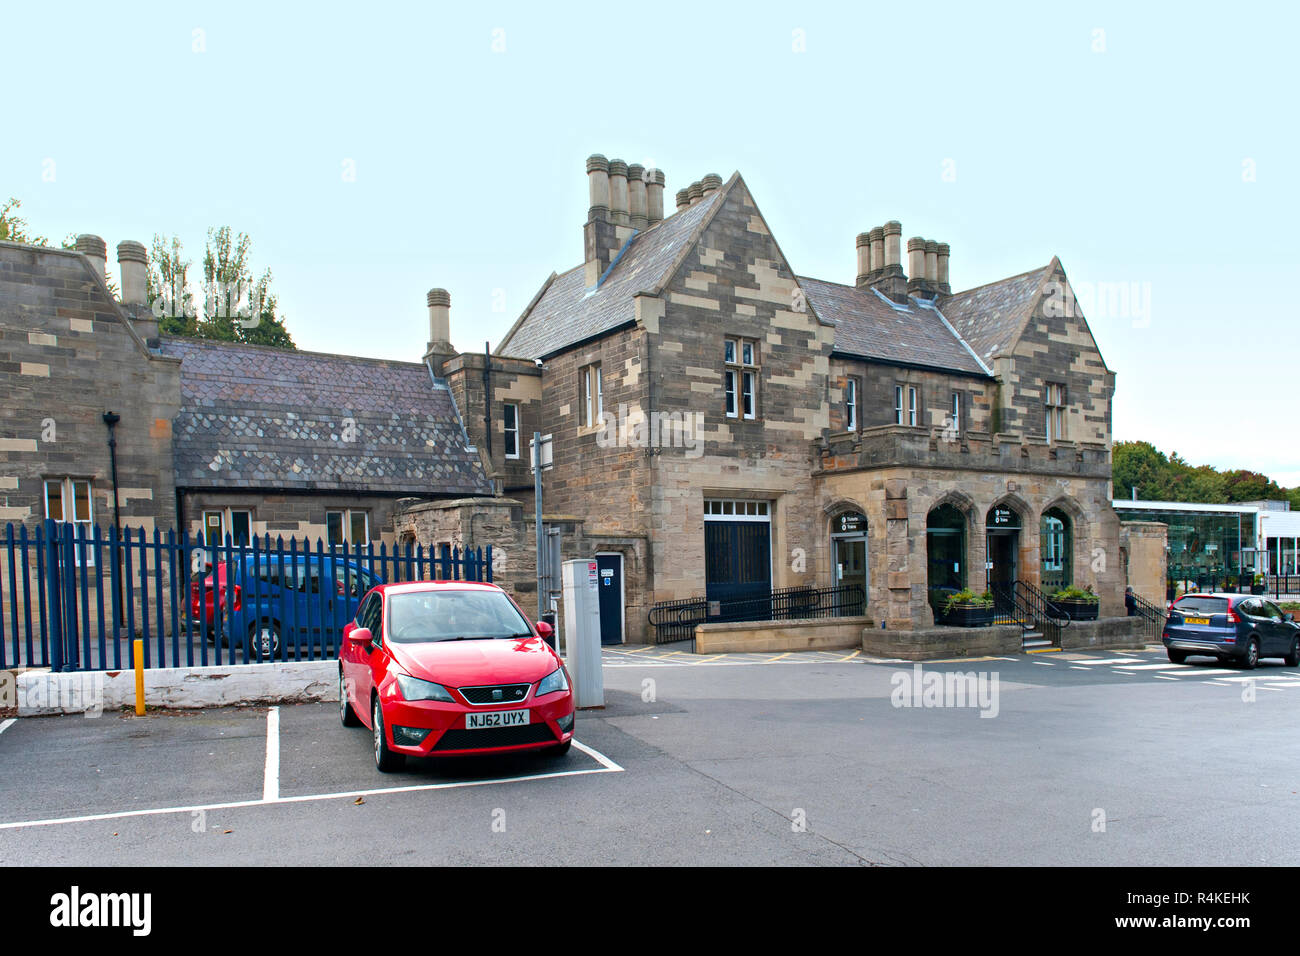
(1232, 627)
(441, 668)
(278, 599)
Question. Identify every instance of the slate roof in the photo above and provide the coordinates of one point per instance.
(868, 325)
(568, 312)
(991, 316)
(253, 416)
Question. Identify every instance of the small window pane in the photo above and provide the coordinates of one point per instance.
(334, 527)
(241, 527)
(81, 493)
(730, 351)
(360, 528)
(748, 352)
(54, 500)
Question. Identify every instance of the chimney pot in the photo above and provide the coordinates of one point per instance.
(683, 199)
(133, 266)
(618, 212)
(636, 196)
(439, 302)
(915, 258)
(598, 186)
(710, 184)
(932, 262)
(94, 249)
(942, 279)
(864, 258)
(695, 191)
(654, 194)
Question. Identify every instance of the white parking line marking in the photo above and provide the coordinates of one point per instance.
(1111, 660)
(271, 776)
(4, 725)
(597, 756)
(1166, 666)
(606, 766)
(1163, 677)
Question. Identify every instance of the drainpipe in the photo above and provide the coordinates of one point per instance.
(487, 398)
(111, 419)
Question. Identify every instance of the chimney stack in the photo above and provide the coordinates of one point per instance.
(941, 278)
(654, 193)
(636, 197)
(884, 254)
(683, 199)
(618, 213)
(133, 266)
(94, 249)
(696, 192)
(609, 219)
(710, 184)
(924, 267)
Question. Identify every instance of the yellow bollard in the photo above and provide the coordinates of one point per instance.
(139, 678)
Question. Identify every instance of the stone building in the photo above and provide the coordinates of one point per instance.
(720, 426)
(724, 426)
(211, 437)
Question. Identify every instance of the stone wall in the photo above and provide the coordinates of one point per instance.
(68, 354)
(1145, 547)
(898, 500)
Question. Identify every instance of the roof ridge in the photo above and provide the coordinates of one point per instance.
(275, 349)
(1018, 275)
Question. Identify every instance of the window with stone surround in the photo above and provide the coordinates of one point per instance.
(1054, 411)
(740, 377)
(851, 405)
(348, 527)
(591, 399)
(510, 419)
(905, 404)
(69, 500)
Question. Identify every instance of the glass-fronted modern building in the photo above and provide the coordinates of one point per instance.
(1209, 542)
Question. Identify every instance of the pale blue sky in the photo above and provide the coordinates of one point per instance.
(1127, 153)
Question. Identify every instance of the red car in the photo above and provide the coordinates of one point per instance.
(447, 668)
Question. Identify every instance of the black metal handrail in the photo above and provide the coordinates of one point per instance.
(1022, 603)
(1154, 615)
(676, 620)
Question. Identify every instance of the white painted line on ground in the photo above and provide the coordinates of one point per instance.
(1076, 667)
(1166, 666)
(271, 775)
(607, 766)
(597, 756)
(1044, 663)
(1111, 660)
(5, 724)
(1209, 670)
(1163, 677)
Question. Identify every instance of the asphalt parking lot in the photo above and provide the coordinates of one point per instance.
(1095, 759)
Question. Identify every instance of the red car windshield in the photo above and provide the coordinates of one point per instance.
(420, 616)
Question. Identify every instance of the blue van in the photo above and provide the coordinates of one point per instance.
(283, 606)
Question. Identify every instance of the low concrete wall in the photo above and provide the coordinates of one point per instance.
(816, 634)
(41, 691)
(1106, 632)
(931, 643)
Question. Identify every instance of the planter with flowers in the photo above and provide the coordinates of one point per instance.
(1080, 603)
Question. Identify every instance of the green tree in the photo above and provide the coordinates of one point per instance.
(237, 307)
(169, 287)
(13, 228)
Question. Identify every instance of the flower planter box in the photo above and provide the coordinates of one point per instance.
(1079, 610)
(965, 615)
(1258, 589)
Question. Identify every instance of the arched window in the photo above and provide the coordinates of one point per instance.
(1055, 548)
(945, 545)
